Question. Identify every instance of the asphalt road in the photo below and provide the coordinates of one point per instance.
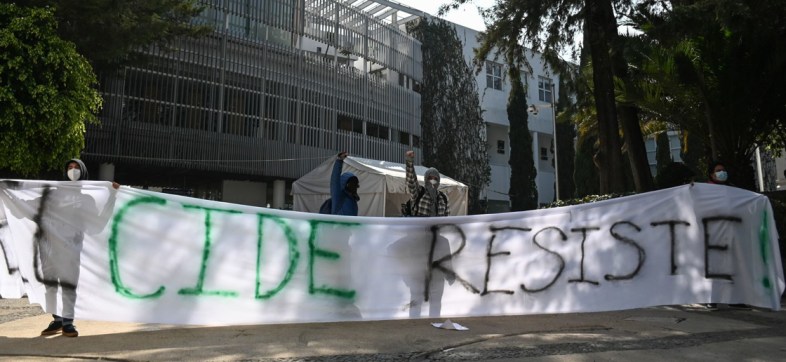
(650, 334)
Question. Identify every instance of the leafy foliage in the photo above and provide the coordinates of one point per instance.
(523, 189)
(110, 33)
(586, 200)
(46, 92)
(454, 134)
(549, 27)
(735, 62)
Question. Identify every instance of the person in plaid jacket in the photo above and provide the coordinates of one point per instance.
(432, 202)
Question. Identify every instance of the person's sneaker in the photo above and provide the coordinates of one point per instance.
(54, 328)
(711, 306)
(69, 330)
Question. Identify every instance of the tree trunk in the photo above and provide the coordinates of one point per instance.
(597, 38)
(637, 152)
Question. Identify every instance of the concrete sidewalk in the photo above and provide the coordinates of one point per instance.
(652, 334)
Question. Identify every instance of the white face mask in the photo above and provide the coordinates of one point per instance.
(74, 174)
(434, 182)
(721, 176)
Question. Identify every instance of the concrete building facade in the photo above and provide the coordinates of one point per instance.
(542, 87)
(279, 86)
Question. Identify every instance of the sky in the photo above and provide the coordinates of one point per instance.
(467, 15)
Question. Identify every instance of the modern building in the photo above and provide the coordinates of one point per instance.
(279, 86)
(494, 88)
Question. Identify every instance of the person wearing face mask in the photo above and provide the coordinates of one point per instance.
(343, 189)
(717, 174)
(60, 258)
(432, 202)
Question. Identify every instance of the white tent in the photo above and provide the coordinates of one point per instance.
(383, 187)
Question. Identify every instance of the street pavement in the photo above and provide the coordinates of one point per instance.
(670, 333)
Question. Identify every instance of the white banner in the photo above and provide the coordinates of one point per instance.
(138, 256)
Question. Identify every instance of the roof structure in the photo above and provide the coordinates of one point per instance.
(387, 11)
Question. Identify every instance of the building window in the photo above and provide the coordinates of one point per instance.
(494, 75)
(401, 137)
(347, 123)
(376, 130)
(501, 147)
(544, 89)
(544, 153)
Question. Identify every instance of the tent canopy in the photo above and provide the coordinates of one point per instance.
(383, 187)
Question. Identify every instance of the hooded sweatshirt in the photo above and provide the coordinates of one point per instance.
(343, 202)
(433, 202)
(83, 170)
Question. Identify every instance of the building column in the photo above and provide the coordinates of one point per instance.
(106, 172)
(279, 193)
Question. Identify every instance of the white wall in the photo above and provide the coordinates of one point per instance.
(494, 104)
(500, 170)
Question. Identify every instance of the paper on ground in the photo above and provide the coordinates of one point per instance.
(448, 324)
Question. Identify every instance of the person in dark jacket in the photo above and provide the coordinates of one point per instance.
(343, 189)
(432, 202)
(716, 174)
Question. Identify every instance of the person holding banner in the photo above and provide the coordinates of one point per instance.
(343, 189)
(59, 245)
(426, 200)
(716, 174)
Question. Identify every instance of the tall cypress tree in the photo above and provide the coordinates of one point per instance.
(454, 134)
(585, 173)
(662, 151)
(523, 190)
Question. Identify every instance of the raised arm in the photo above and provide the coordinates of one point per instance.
(412, 177)
(336, 193)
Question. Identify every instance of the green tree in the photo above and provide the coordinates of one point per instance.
(735, 62)
(585, 173)
(523, 190)
(111, 33)
(566, 133)
(549, 27)
(46, 92)
(691, 155)
(454, 134)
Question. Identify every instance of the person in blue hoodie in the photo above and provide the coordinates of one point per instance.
(343, 189)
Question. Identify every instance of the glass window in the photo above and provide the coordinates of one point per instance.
(403, 137)
(501, 147)
(493, 75)
(544, 89)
